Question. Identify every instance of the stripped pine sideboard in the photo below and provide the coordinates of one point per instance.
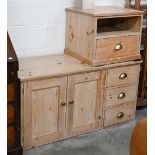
(62, 97)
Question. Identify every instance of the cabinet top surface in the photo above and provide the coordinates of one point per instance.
(107, 11)
(57, 65)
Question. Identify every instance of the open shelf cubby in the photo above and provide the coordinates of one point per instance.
(118, 26)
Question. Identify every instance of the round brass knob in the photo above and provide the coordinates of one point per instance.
(71, 102)
(118, 47)
(121, 95)
(63, 103)
(123, 76)
(120, 115)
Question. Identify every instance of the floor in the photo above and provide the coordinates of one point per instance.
(111, 141)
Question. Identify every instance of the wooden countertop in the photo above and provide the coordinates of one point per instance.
(57, 65)
(107, 11)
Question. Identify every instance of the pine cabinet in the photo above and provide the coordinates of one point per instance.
(61, 107)
(73, 98)
(103, 35)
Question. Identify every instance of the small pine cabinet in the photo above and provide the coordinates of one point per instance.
(103, 35)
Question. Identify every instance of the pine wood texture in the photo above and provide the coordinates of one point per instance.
(102, 30)
(72, 97)
(38, 67)
(85, 113)
(106, 47)
(44, 114)
(80, 34)
(113, 75)
(113, 95)
(111, 114)
(107, 11)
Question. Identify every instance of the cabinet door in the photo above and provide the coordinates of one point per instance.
(84, 103)
(44, 111)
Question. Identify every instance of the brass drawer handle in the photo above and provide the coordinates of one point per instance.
(71, 102)
(123, 76)
(120, 115)
(118, 47)
(121, 95)
(63, 103)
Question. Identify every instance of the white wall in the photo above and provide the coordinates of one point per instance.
(37, 27)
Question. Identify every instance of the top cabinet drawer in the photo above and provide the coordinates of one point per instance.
(122, 75)
(118, 47)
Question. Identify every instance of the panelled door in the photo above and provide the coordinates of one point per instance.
(44, 111)
(84, 109)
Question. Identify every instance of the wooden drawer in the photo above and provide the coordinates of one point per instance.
(117, 48)
(121, 95)
(11, 140)
(119, 114)
(122, 75)
(10, 92)
(10, 112)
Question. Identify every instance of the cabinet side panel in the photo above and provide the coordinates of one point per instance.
(80, 35)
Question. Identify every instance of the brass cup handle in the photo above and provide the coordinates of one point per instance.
(123, 76)
(63, 103)
(120, 115)
(118, 47)
(121, 95)
(71, 102)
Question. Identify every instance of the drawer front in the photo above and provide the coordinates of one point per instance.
(10, 92)
(118, 47)
(121, 95)
(122, 75)
(119, 114)
(10, 112)
(11, 140)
